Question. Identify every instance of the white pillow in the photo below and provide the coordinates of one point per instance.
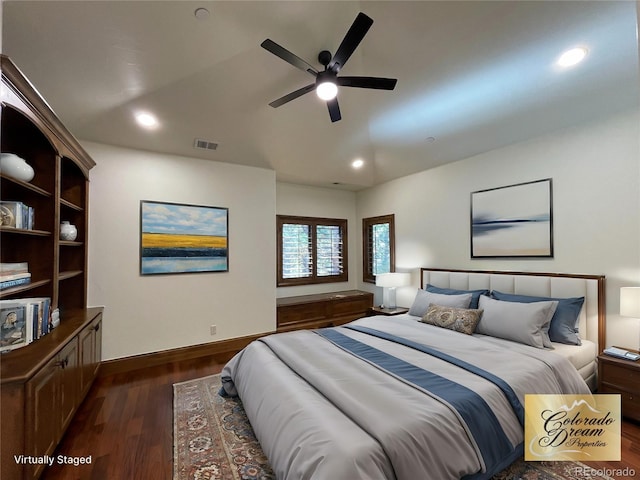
(424, 299)
(526, 323)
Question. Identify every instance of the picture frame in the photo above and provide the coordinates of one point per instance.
(513, 221)
(182, 238)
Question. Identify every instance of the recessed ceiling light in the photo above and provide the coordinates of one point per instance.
(357, 163)
(572, 57)
(430, 139)
(146, 120)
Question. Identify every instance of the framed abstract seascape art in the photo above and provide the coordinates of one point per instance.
(180, 238)
(512, 221)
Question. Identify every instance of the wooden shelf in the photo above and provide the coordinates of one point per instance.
(43, 383)
(22, 289)
(69, 243)
(26, 185)
(24, 363)
(22, 231)
(66, 203)
(69, 274)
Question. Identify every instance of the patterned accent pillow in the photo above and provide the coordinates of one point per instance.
(461, 320)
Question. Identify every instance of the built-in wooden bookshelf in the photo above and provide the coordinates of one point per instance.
(43, 383)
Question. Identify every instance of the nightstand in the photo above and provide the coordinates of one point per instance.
(387, 311)
(616, 375)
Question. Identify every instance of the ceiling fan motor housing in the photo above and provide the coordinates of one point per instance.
(324, 57)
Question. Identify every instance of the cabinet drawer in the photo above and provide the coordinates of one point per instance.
(626, 378)
(301, 313)
(351, 306)
(630, 402)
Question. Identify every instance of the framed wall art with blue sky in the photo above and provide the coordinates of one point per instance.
(181, 238)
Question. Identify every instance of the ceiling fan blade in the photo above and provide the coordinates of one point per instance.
(368, 82)
(292, 96)
(351, 40)
(288, 57)
(334, 109)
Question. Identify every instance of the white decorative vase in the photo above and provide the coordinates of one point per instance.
(68, 231)
(14, 166)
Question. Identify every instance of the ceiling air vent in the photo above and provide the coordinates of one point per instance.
(205, 145)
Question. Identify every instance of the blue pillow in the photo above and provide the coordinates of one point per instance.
(475, 294)
(563, 323)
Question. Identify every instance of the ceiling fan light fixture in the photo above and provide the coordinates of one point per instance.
(327, 90)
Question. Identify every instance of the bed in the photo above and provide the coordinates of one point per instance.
(398, 398)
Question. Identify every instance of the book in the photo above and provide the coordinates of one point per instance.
(13, 276)
(16, 214)
(44, 307)
(29, 320)
(12, 268)
(22, 321)
(11, 214)
(13, 325)
(4, 284)
(31, 218)
(41, 320)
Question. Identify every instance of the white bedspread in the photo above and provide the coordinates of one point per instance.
(321, 413)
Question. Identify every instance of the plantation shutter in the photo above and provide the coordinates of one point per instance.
(329, 247)
(311, 250)
(297, 248)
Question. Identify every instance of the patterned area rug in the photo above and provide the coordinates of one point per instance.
(213, 440)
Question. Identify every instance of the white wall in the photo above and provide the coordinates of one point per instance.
(595, 169)
(307, 201)
(596, 181)
(152, 313)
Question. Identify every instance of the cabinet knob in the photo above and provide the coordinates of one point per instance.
(96, 328)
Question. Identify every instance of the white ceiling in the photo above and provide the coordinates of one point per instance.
(475, 75)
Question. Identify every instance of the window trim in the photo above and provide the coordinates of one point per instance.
(367, 224)
(314, 278)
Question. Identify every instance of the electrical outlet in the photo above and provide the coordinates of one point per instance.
(213, 329)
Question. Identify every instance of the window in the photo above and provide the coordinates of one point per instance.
(378, 246)
(311, 250)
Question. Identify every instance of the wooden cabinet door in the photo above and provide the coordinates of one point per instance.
(98, 344)
(90, 354)
(69, 393)
(87, 354)
(42, 408)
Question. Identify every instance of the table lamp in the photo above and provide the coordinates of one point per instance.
(630, 302)
(391, 281)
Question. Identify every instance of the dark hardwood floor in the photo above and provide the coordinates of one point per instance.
(126, 425)
(630, 453)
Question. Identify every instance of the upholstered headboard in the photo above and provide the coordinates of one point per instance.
(559, 285)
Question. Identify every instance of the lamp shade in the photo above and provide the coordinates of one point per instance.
(630, 302)
(393, 279)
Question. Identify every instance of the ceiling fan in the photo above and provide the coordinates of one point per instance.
(327, 81)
